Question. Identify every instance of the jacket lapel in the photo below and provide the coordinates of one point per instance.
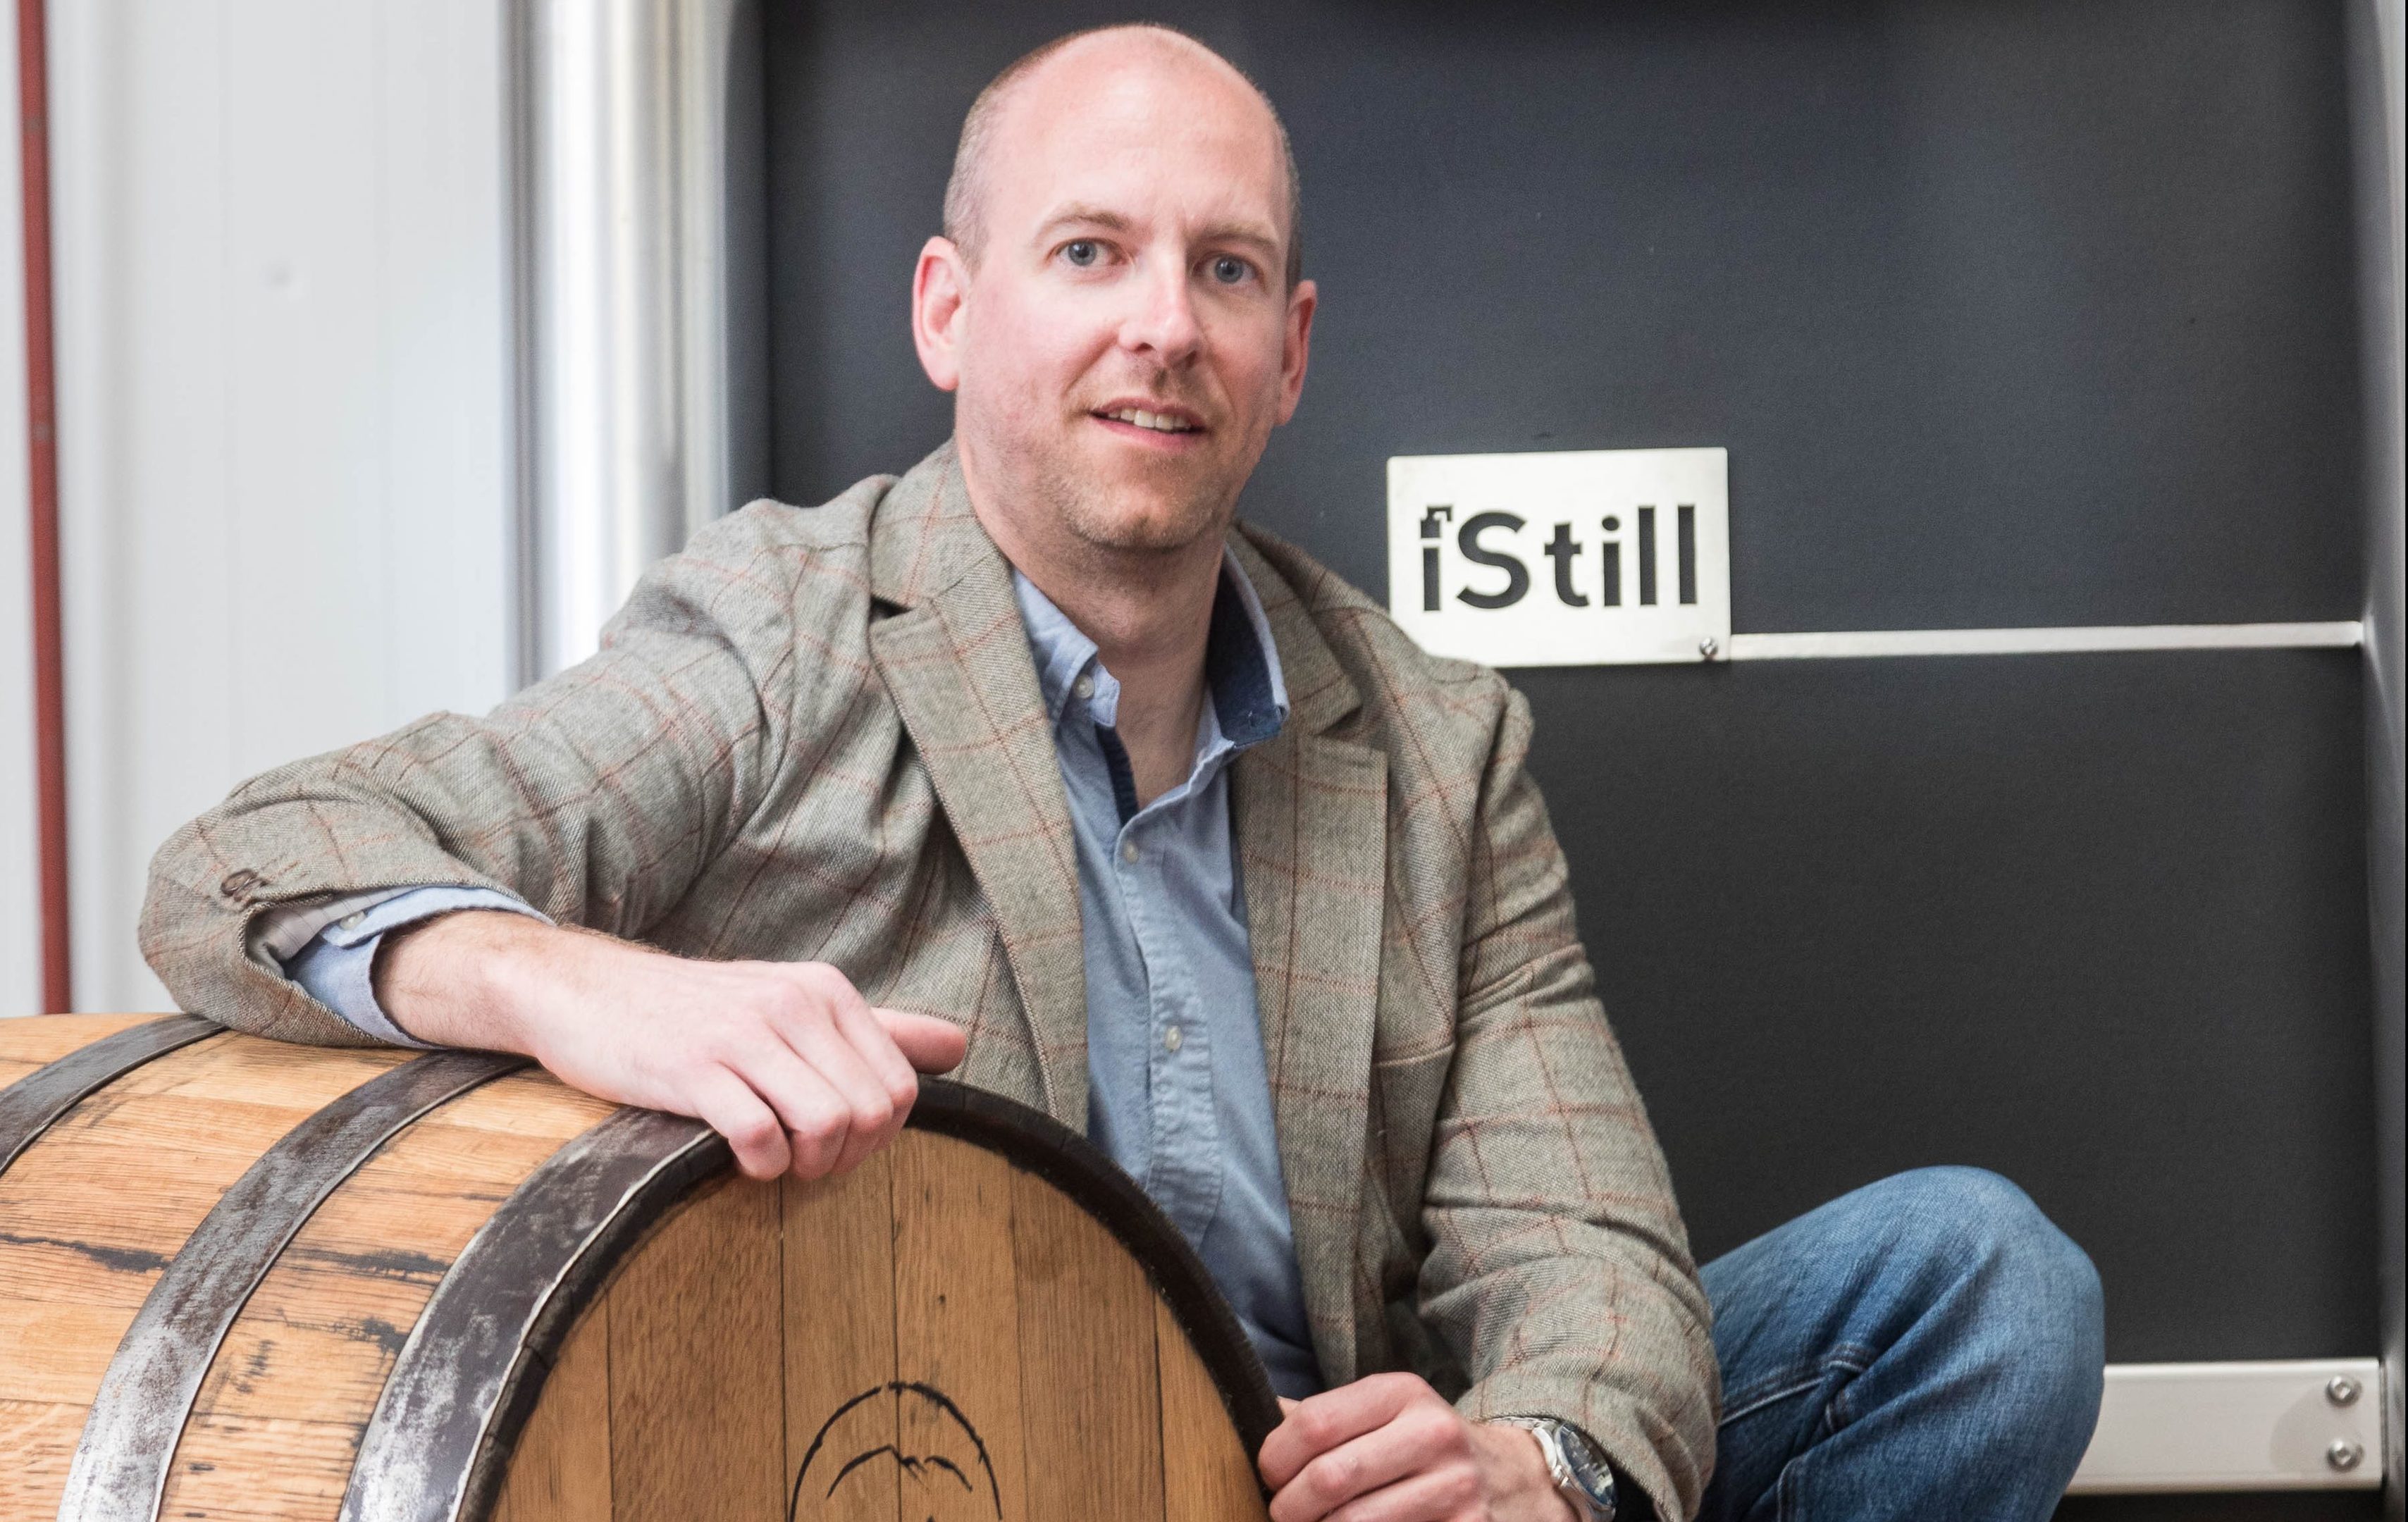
(1312, 826)
(955, 661)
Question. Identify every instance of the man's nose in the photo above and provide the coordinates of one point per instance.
(1164, 320)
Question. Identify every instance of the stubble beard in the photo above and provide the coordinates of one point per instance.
(1098, 517)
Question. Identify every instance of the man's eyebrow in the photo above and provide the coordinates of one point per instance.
(1079, 214)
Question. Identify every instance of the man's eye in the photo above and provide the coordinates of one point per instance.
(1229, 270)
(1081, 252)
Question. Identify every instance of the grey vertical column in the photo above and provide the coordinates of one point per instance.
(2376, 84)
(639, 296)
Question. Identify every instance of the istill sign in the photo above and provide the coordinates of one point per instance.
(1589, 557)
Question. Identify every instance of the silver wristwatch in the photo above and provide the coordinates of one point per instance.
(1580, 1472)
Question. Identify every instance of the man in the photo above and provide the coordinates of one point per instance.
(1034, 764)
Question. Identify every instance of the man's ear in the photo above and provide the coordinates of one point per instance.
(940, 292)
(1296, 349)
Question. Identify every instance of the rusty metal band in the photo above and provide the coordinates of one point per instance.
(34, 1102)
(129, 1437)
(440, 1442)
(468, 1376)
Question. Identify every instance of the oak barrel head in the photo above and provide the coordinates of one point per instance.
(986, 1321)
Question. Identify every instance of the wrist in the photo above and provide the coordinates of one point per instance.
(459, 980)
(1524, 1486)
(1577, 1473)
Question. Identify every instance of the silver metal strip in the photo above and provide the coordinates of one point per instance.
(2170, 1428)
(33, 1103)
(430, 1452)
(129, 1437)
(638, 255)
(2344, 634)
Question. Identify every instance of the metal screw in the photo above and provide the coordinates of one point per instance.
(2344, 1454)
(1709, 647)
(2342, 1390)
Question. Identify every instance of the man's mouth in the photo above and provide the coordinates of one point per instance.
(1137, 417)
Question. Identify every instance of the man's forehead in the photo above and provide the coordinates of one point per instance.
(1103, 123)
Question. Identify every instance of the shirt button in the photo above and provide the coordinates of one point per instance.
(1129, 852)
(1083, 687)
(352, 921)
(1172, 1037)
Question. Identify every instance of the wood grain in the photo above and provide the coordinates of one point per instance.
(561, 1469)
(28, 1042)
(1206, 1474)
(840, 1343)
(166, 1140)
(1090, 1410)
(697, 1427)
(956, 1331)
(317, 1339)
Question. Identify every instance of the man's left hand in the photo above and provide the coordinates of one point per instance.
(1390, 1449)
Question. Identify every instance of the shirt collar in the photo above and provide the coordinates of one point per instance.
(1242, 665)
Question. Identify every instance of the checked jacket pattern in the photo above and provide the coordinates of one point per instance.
(817, 735)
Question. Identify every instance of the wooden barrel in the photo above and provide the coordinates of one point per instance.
(239, 1278)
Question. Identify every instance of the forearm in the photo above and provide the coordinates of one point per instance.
(480, 977)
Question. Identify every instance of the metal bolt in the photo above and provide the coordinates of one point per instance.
(1709, 647)
(2341, 1390)
(2344, 1454)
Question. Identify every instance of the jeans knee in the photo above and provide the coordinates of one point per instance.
(2034, 1295)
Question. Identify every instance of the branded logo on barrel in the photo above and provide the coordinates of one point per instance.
(1587, 557)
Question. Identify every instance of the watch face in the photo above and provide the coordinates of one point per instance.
(1588, 1466)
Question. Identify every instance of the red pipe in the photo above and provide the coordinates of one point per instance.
(42, 470)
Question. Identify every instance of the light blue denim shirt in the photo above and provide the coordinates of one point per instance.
(1179, 1094)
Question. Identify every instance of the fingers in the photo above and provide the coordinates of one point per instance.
(817, 1115)
(932, 1046)
(727, 1105)
(1315, 1426)
(788, 1060)
(1370, 1463)
(852, 1053)
(1427, 1497)
(869, 1115)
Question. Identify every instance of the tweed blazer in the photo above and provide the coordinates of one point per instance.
(817, 734)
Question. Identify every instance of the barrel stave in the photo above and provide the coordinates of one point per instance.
(92, 1212)
(1207, 1475)
(39, 1041)
(314, 1344)
(1091, 1413)
(840, 1257)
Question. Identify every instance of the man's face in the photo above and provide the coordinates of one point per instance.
(1126, 340)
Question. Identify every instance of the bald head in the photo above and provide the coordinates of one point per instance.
(1063, 72)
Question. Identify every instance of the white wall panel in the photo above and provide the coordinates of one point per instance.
(21, 944)
(284, 396)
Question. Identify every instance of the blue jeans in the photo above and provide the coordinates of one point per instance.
(1928, 1347)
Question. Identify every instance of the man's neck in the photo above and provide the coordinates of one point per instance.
(1149, 612)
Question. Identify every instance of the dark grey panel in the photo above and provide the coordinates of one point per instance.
(2096, 922)
(2008, 313)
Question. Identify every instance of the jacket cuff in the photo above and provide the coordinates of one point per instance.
(337, 966)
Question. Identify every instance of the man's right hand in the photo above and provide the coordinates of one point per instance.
(786, 1059)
